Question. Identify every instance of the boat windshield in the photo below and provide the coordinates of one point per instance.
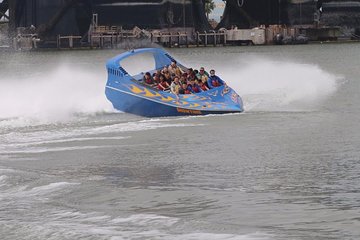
(139, 63)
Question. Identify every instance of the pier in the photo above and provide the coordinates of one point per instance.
(165, 39)
(115, 37)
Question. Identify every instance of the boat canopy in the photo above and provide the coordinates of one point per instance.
(161, 57)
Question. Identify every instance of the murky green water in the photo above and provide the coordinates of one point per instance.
(288, 168)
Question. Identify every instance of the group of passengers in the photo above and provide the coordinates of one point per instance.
(173, 78)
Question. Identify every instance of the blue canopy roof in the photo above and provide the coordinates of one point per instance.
(161, 57)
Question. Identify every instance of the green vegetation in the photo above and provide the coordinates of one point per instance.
(209, 7)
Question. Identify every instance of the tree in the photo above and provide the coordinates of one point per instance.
(209, 7)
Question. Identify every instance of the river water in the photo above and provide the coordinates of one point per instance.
(71, 167)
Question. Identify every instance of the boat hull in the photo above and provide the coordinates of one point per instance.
(134, 104)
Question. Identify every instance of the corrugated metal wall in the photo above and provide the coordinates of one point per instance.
(152, 14)
(155, 14)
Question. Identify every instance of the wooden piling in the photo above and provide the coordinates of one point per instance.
(58, 42)
(179, 39)
(71, 42)
(197, 39)
(214, 37)
(206, 38)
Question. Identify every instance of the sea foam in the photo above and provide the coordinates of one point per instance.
(63, 93)
(267, 85)
(53, 96)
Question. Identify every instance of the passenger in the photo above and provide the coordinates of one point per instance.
(203, 86)
(165, 68)
(182, 80)
(175, 85)
(202, 75)
(189, 71)
(195, 72)
(167, 75)
(191, 76)
(214, 81)
(174, 69)
(184, 89)
(163, 85)
(158, 72)
(184, 75)
(156, 78)
(193, 87)
(148, 79)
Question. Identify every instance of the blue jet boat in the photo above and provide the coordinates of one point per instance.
(130, 94)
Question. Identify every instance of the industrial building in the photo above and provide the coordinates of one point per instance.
(49, 19)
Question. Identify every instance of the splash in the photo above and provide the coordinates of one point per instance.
(267, 85)
(64, 93)
(56, 96)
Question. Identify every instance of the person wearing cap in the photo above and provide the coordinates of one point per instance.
(214, 81)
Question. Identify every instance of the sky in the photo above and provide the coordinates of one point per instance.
(218, 11)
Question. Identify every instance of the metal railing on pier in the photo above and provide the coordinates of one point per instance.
(180, 39)
(70, 40)
(120, 39)
(214, 38)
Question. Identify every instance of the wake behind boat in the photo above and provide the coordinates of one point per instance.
(131, 94)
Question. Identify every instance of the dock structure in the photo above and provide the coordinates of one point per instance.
(71, 42)
(124, 38)
(110, 36)
(115, 37)
(183, 39)
(166, 39)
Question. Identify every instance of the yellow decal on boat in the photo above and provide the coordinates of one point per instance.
(135, 89)
(150, 94)
(167, 99)
(194, 105)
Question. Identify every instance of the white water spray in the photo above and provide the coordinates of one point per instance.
(65, 92)
(56, 96)
(274, 86)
